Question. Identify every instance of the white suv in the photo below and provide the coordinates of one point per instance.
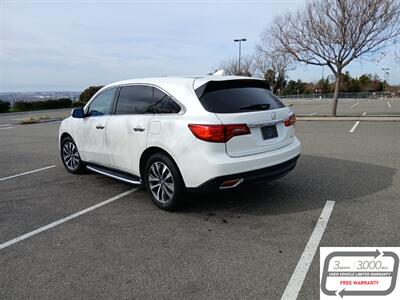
(177, 134)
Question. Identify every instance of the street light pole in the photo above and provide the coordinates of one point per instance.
(240, 48)
(387, 78)
(385, 75)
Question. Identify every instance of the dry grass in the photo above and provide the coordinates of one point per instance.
(34, 120)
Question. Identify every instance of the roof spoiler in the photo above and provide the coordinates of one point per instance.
(219, 73)
(214, 85)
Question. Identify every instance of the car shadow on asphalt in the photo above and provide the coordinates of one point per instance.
(314, 181)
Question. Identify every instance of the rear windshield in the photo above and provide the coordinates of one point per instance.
(237, 96)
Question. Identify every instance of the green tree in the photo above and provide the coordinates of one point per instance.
(365, 82)
(88, 93)
(324, 85)
(349, 84)
(275, 81)
(370, 83)
(295, 87)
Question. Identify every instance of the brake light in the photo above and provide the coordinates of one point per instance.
(218, 133)
(291, 121)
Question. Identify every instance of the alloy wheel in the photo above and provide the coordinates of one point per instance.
(70, 155)
(161, 182)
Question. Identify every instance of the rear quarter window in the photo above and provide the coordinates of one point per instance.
(164, 104)
(237, 96)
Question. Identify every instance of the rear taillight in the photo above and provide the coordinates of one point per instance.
(218, 133)
(291, 121)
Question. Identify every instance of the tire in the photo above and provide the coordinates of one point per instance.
(163, 182)
(70, 156)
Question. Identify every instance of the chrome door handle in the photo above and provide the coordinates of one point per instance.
(99, 126)
(138, 128)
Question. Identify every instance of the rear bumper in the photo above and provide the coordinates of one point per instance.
(260, 175)
(205, 161)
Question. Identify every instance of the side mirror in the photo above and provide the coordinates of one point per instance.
(78, 113)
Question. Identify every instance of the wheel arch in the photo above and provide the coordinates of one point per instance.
(64, 135)
(148, 153)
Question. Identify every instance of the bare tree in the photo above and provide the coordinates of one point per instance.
(333, 33)
(273, 66)
(231, 67)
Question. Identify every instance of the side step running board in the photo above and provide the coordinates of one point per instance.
(115, 174)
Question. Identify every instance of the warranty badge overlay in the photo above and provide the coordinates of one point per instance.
(359, 273)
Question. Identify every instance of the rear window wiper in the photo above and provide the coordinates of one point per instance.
(261, 106)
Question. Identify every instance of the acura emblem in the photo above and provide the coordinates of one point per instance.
(273, 116)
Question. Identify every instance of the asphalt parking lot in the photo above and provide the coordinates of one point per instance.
(346, 107)
(244, 244)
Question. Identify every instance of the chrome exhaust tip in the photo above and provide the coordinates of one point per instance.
(231, 183)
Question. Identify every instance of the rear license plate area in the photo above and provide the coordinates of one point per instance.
(269, 132)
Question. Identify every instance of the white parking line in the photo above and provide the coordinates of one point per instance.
(5, 128)
(63, 220)
(296, 281)
(3, 125)
(26, 173)
(364, 113)
(313, 113)
(354, 105)
(390, 105)
(354, 127)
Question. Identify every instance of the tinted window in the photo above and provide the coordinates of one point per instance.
(101, 105)
(135, 100)
(164, 104)
(236, 96)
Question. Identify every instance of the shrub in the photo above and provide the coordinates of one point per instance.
(78, 103)
(4, 106)
(45, 104)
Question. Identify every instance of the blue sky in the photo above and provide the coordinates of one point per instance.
(69, 45)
